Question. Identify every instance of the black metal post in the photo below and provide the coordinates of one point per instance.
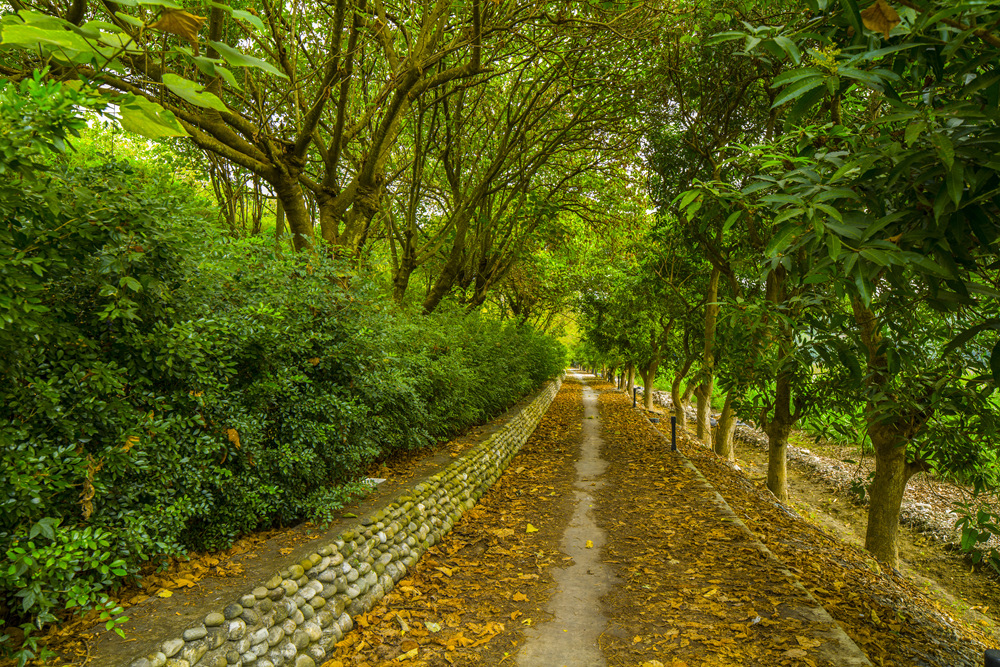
(635, 391)
(673, 433)
(992, 658)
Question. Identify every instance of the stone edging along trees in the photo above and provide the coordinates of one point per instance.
(295, 618)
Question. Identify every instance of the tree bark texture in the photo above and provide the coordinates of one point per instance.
(724, 431)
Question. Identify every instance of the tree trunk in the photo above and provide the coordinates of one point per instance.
(890, 437)
(675, 394)
(886, 494)
(778, 428)
(631, 378)
(708, 361)
(675, 399)
(704, 420)
(724, 431)
(688, 393)
(648, 374)
(292, 199)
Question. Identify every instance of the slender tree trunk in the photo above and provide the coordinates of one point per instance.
(704, 406)
(724, 432)
(708, 361)
(890, 438)
(631, 377)
(678, 405)
(279, 222)
(689, 393)
(648, 373)
(778, 428)
(675, 394)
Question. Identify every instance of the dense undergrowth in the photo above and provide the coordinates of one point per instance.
(164, 389)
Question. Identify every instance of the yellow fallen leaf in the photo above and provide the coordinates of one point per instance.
(164, 593)
(531, 529)
(444, 570)
(590, 544)
(520, 597)
(636, 639)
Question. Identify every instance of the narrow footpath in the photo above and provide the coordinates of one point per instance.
(599, 546)
(572, 636)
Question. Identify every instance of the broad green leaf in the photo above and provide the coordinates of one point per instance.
(956, 183)
(781, 239)
(794, 75)
(733, 217)
(853, 15)
(237, 59)
(797, 89)
(192, 92)
(831, 211)
(789, 47)
(131, 20)
(833, 246)
(249, 18)
(877, 256)
(167, 4)
(913, 131)
(30, 36)
(945, 149)
(149, 119)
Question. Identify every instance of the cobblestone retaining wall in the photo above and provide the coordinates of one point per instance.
(295, 618)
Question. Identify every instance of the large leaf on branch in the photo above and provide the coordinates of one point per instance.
(149, 119)
(237, 59)
(190, 91)
(880, 17)
(180, 23)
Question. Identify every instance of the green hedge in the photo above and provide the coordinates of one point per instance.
(163, 389)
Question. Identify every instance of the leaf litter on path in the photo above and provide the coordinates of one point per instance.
(697, 590)
(888, 616)
(498, 556)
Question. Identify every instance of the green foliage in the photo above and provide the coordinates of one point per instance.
(160, 392)
(980, 523)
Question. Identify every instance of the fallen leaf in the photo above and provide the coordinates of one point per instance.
(432, 626)
(531, 529)
(590, 544)
(520, 597)
(164, 593)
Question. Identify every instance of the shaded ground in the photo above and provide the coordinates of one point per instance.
(936, 568)
(885, 613)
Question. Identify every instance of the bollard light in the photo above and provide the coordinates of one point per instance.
(673, 433)
(635, 392)
(992, 658)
